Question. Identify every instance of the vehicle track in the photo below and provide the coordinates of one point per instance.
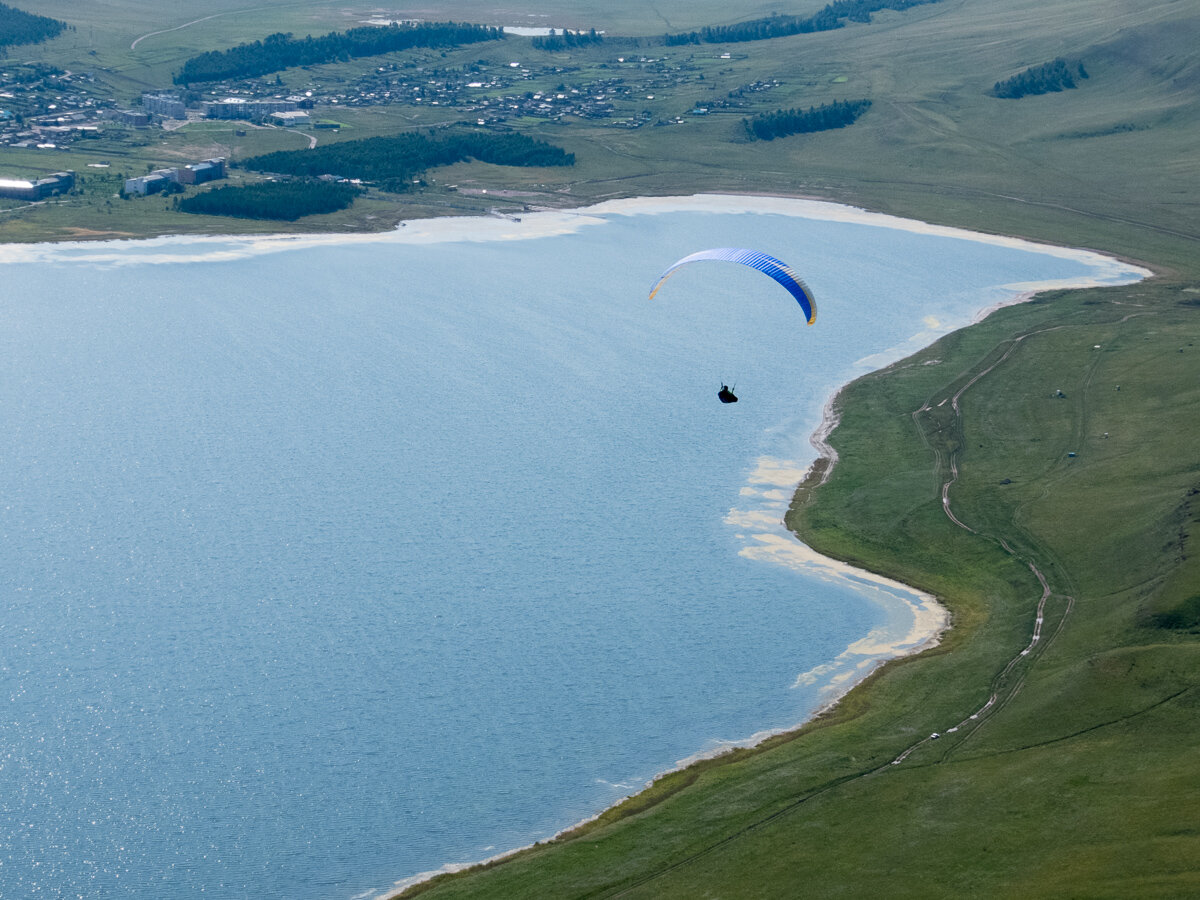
(230, 12)
(137, 41)
(1002, 691)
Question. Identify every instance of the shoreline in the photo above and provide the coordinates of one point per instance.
(863, 657)
(931, 620)
(533, 225)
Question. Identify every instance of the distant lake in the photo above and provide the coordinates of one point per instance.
(329, 561)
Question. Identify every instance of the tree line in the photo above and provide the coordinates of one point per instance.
(567, 39)
(280, 51)
(1056, 75)
(394, 162)
(784, 122)
(19, 27)
(833, 15)
(280, 200)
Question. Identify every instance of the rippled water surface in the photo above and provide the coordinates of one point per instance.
(328, 562)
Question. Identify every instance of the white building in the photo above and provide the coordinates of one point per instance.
(167, 105)
(152, 183)
(253, 110)
(290, 118)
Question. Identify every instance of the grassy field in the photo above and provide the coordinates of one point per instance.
(1078, 777)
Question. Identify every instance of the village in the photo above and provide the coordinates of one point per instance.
(45, 108)
(48, 108)
(514, 86)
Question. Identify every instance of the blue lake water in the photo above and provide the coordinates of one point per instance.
(325, 562)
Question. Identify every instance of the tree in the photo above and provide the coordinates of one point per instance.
(284, 200)
(784, 122)
(281, 50)
(1052, 77)
(19, 27)
(393, 162)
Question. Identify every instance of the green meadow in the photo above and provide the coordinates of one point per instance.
(1067, 425)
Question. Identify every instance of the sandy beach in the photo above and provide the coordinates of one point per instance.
(534, 225)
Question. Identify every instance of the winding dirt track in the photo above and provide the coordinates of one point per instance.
(137, 41)
(1002, 690)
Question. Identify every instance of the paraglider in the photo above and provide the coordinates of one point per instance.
(768, 265)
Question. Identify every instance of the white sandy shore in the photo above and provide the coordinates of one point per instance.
(191, 248)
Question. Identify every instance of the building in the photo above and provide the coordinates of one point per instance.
(133, 117)
(199, 173)
(20, 189)
(168, 106)
(291, 118)
(253, 110)
(152, 183)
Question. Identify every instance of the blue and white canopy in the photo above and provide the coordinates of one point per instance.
(768, 265)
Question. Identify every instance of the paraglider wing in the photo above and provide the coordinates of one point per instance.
(768, 265)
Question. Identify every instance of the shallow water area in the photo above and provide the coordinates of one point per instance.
(331, 560)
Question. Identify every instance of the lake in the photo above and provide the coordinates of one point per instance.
(328, 561)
